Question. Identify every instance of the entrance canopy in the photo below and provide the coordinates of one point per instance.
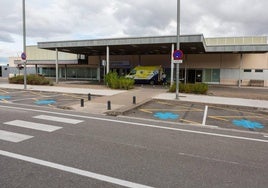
(189, 44)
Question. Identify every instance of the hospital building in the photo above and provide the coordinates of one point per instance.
(238, 61)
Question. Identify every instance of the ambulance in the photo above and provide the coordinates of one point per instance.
(146, 74)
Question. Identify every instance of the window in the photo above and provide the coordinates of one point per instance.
(247, 70)
(211, 75)
(258, 70)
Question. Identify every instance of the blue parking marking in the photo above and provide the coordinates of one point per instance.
(166, 115)
(247, 124)
(5, 97)
(45, 102)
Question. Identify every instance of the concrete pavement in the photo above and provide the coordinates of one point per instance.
(122, 100)
(216, 100)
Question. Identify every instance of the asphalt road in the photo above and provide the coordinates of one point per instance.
(44, 147)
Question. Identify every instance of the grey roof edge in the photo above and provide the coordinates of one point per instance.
(237, 48)
(194, 38)
(122, 41)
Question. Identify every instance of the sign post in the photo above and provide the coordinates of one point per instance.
(177, 54)
(23, 55)
(177, 59)
(23, 60)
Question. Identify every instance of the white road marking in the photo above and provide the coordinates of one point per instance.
(141, 124)
(13, 137)
(32, 125)
(73, 170)
(58, 119)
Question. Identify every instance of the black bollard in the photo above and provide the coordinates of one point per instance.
(82, 102)
(89, 96)
(134, 99)
(109, 105)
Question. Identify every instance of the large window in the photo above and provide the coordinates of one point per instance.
(72, 73)
(80, 73)
(211, 75)
(49, 72)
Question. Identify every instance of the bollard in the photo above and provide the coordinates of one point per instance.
(82, 102)
(109, 105)
(89, 96)
(134, 99)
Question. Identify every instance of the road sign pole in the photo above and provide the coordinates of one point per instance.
(24, 43)
(178, 48)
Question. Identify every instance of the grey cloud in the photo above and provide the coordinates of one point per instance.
(145, 17)
(228, 18)
(6, 37)
(84, 19)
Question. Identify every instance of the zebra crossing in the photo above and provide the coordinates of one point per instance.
(18, 137)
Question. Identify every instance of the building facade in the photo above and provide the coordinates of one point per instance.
(227, 61)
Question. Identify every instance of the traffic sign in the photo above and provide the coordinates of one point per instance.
(177, 55)
(23, 56)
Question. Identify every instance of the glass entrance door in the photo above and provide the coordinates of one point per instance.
(194, 76)
(198, 76)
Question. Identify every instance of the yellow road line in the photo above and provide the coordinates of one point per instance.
(173, 110)
(146, 111)
(73, 96)
(4, 91)
(183, 106)
(233, 110)
(165, 103)
(188, 121)
(218, 118)
(4, 100)
(36, 93)
(51, 105)
(257, 117)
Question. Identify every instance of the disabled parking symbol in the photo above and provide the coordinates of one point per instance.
(5, 97)
(247, 124)
(166, 115)
(45, 102)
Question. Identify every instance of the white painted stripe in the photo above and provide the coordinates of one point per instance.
(13, 137)
(205, 115)
(58, 119)
(73, 170)
(32, 125)
(142, 124)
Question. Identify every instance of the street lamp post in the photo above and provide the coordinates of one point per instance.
(178, 48)
(24, 43)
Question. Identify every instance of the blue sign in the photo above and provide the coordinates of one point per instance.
(177, 55)
(166, 115)
(23, 56)
(248, 124)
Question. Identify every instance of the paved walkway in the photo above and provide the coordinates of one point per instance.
(216, 100)
(123, 100)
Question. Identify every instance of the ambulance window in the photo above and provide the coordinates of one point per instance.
(133, 72)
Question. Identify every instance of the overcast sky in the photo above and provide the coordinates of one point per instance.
(54, 20)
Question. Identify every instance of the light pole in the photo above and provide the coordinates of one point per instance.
(178, 48)
(24, 42)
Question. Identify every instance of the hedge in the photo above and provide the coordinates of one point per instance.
(32, 79)
(115, 82)
(199, 88)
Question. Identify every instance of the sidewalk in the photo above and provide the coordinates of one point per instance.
(216, 100)
(123, 100)
(75, 90)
